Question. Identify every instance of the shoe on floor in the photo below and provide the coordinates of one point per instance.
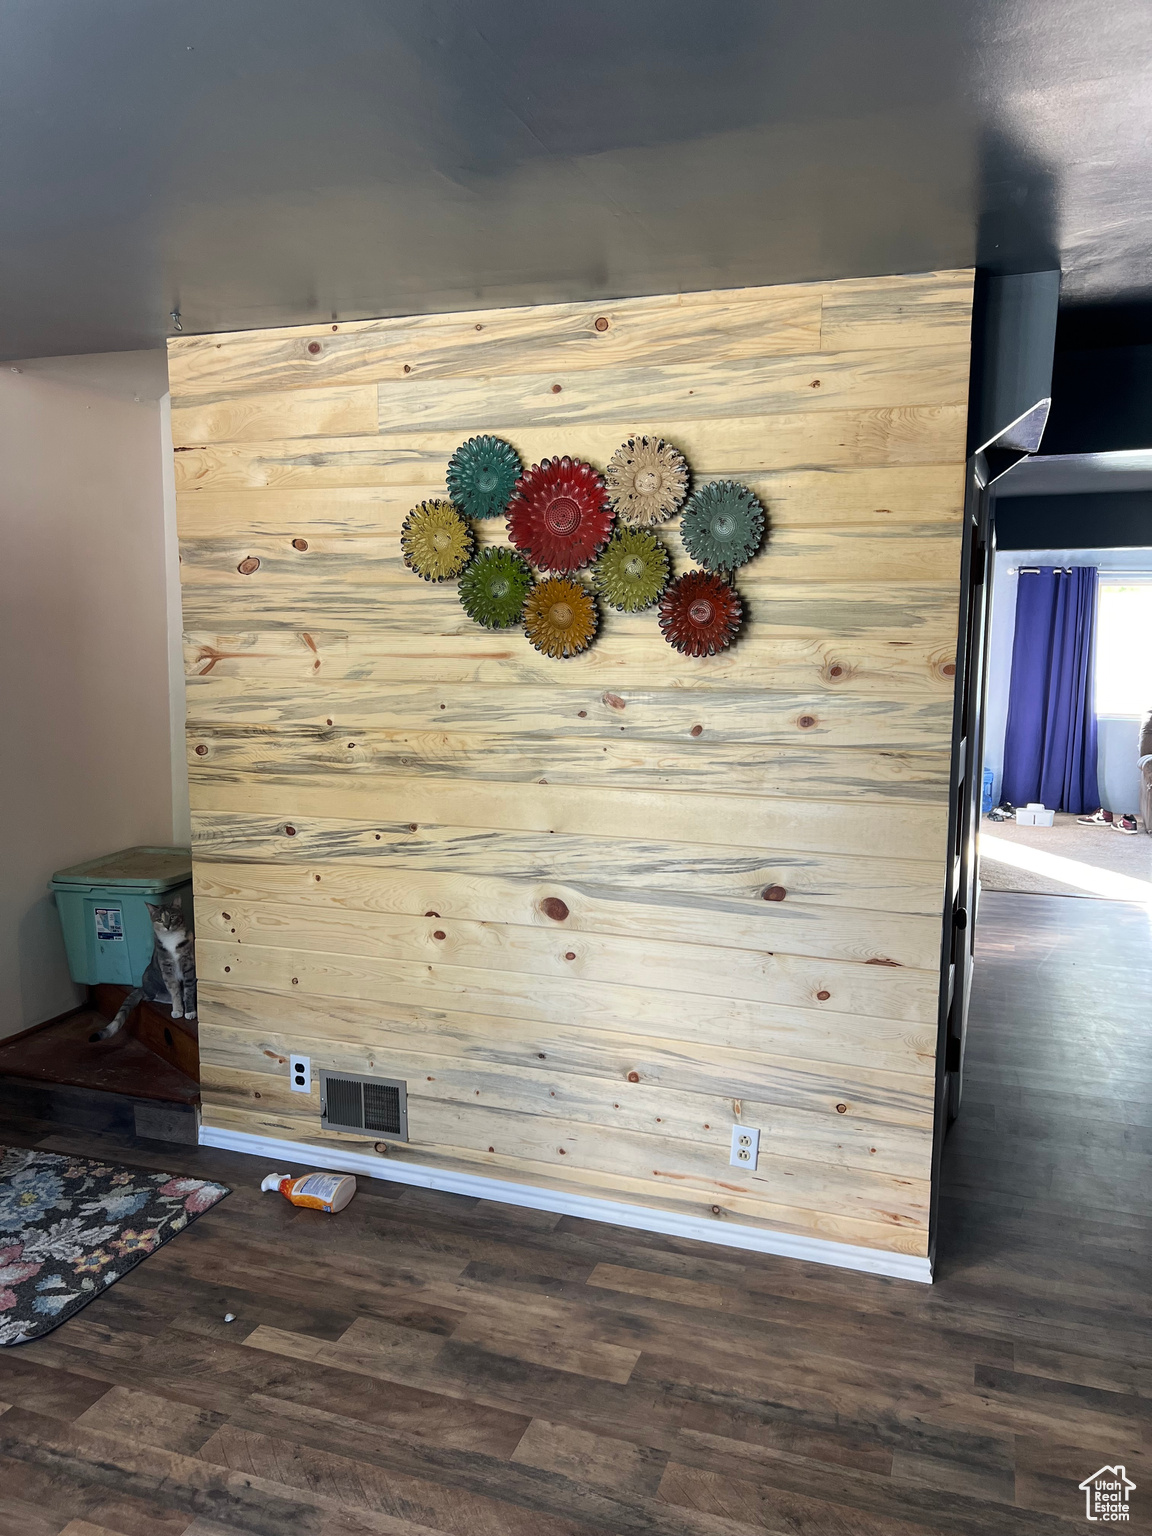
(1100, 818)
(1125, 824)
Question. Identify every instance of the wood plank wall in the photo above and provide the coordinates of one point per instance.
(385, 796)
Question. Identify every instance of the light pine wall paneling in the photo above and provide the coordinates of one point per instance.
(892, 1231)
(927, 310)
(685, 871)
(797, 498)
(817, 774)
(887, 436)
(286, 753)
(905, 831)
(799, 658)
(382, 885)
(799, 1059)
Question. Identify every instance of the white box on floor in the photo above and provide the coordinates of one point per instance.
(1033, 815)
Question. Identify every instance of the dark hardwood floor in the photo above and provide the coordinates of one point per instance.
(426, 1363)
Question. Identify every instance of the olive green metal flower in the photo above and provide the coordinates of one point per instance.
(436, 541)
(632, 570)
(482, 474)
(722, 526)
(494, 586)
(560, 617)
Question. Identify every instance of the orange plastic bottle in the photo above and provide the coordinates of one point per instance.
(329, 1192)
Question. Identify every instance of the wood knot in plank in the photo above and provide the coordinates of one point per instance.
(554, 908)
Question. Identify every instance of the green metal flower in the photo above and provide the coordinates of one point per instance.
(494, 586)
(481, 476)
(435, 541)
(722, 526)
(632, 570)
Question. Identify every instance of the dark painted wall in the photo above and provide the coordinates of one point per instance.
(1105, 520)
(1101, 400)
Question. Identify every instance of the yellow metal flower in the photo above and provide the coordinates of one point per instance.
(647, 480)
(435, 541)
(560, 617)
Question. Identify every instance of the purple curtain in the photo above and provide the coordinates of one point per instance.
(1050, 746)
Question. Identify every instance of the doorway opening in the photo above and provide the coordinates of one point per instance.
(1091, 837)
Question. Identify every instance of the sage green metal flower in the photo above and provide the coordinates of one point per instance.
(435, 541)
(482, 474)
(494, 586)
(632, 570)
(722, 526)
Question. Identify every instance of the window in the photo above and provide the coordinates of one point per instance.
(1124, 646)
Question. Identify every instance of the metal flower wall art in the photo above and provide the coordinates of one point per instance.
(559, 515)
(700, 613)
(563, 516)
(632, 570)
(482, 475)
(560, 617)
(435, 541)
(647, 480)
(494, 586)
(722, 526)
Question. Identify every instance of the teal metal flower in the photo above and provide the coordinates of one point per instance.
(632, 570)
(481, 476)
(494, 586)
(722, 526)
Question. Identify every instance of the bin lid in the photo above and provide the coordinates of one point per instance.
(135, 869)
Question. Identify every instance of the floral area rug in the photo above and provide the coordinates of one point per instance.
(69, 1227)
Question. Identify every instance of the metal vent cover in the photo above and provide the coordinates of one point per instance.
(352, 1103)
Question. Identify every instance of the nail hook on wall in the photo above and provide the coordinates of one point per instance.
(174, 316)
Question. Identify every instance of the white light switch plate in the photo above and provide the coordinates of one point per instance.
(300, 1074)
(745, 1147)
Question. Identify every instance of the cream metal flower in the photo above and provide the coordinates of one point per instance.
(647, 480)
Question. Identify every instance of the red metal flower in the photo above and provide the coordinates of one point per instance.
(560, 515)
(700, 614)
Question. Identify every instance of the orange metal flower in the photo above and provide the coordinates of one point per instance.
(560, 617)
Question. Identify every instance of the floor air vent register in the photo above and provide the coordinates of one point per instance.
(376, 1104)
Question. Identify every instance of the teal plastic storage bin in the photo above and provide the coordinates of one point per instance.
(107, 930)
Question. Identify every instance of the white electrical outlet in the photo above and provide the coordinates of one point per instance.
(300, 1074)
(745, 1147)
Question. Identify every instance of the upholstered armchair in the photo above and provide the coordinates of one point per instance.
(1146, 774)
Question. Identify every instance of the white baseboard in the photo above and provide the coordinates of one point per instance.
(813, 1250)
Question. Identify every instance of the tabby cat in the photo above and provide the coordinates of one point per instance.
(171, 973)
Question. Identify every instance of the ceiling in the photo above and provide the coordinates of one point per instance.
(280, 161)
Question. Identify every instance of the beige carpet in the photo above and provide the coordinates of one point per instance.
(1065, 860)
